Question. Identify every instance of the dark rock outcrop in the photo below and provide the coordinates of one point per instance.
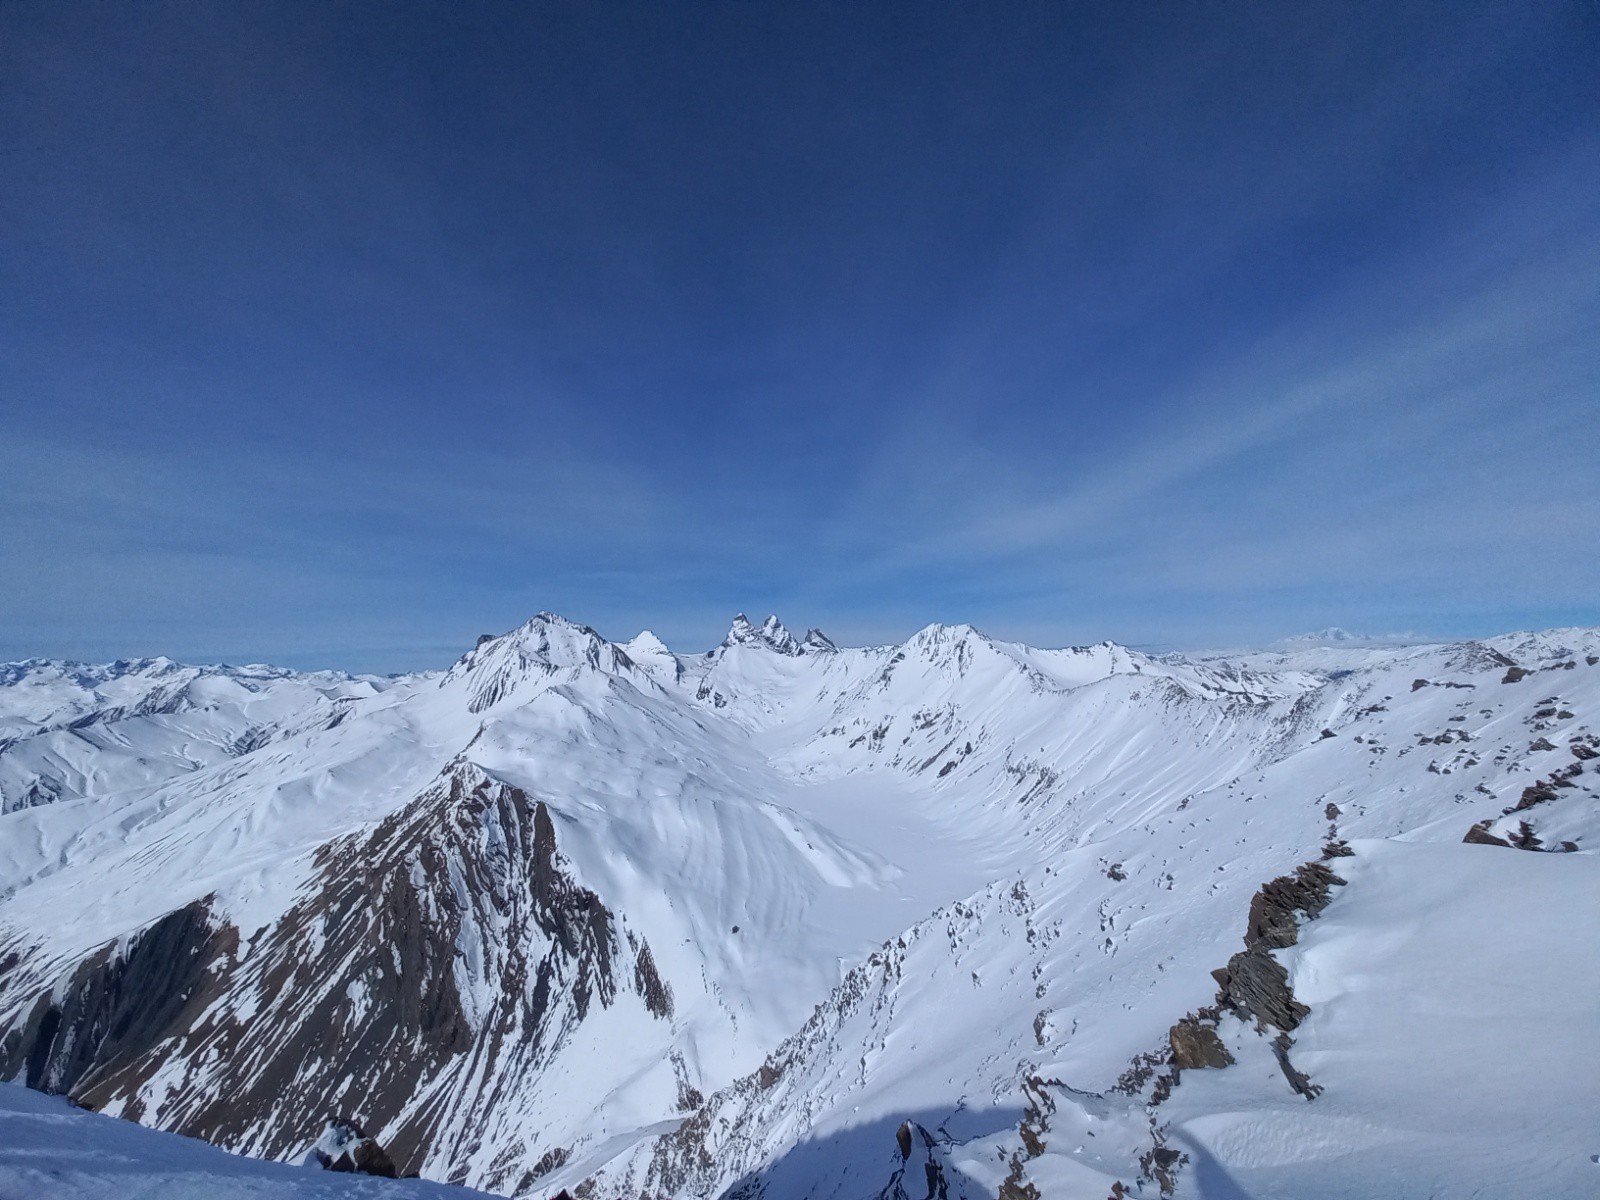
(1524, 838)
(1298, 1080)
(1196, 1044)
(1274, 923)
(1479, 835)
(1256, 986)
(1160, 1165)
(648, 983)
(344, 1146)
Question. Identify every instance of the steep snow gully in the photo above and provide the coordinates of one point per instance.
(951, 918)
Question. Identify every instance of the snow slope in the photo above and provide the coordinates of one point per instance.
(1445, 1039)
(69, 730)
(577, 912)
(49, 1148)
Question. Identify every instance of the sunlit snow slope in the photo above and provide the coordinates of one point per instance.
(799, 920)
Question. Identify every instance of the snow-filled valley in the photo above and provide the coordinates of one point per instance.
(954, 917)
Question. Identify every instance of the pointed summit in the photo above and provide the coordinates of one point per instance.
(772, 635)
(650, 654)
(645, 645)
(775, 635)
(816, 640)
(543, 646)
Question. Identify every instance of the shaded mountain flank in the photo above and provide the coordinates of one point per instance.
(365, 978)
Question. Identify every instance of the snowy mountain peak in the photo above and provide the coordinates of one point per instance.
(772, 635)
(650, 654)
(159, 665)
(543, 646)
(938, 640)
(554, 641)
(645, 645)
(939, 633)
(815, 639)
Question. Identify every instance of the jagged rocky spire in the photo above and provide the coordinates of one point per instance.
(773, 635)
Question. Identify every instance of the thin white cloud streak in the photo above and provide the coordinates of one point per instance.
(1135, 132)
(1476, 356)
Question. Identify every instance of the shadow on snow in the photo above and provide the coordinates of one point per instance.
(864, 1161)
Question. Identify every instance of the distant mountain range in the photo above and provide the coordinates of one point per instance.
(956, 917)
(1334, 636)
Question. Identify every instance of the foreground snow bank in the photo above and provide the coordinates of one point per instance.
(1453, 1024)
(50, 1149)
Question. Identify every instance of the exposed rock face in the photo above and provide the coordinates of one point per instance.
(1161, 1164)
(343, 1146)
(364, 977)
(1298, 1080)
(117, 1004)
(1479, 834)
(1537, 793)
(1195, 1044)
(1274, 923)
(649, 984)
(1254, 984)
(770, 635)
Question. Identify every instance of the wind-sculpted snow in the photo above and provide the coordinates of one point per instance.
(784, 919)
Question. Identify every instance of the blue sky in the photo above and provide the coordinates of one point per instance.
(332, 335)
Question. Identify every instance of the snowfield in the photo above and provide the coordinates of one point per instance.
(795, 920)
(1448, 987)
(49, 1148)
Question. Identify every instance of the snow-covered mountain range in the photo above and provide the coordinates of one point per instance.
(956, 917)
